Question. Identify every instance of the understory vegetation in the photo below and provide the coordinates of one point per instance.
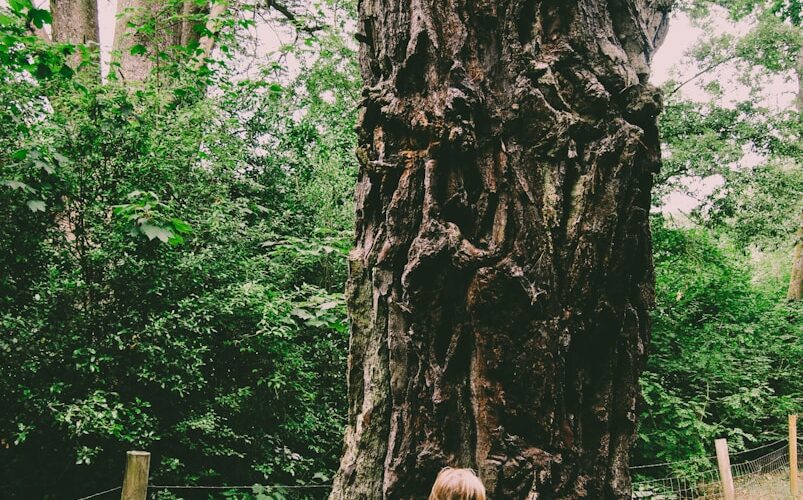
(172, 261)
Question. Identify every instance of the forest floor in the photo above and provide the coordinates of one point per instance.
(769, 486)
(773, 486)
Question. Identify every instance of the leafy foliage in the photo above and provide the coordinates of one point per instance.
(172, 274)
(725, 342)
(724, 353)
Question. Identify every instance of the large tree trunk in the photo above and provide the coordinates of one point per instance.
(169, 26)
(76, 22)
(796, 278)
(501, 281)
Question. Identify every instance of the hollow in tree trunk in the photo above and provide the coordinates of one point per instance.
(501, 281)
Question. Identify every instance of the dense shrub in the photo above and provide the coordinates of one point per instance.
(172, 280)
(725, 351)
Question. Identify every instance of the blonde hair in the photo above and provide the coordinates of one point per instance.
(457, 484)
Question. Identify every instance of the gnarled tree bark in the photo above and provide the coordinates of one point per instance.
(501, 281)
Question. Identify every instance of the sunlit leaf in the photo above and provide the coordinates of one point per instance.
(156, 232)
(36, 205)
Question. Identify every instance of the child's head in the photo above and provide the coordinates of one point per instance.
(457, 484)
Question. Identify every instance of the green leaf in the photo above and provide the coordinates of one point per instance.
(44, 166)
(39, 17)
(138, 49)
(18, 185)
(6, 20)
(176, 240)
(36, 205)
(20, 5)
(66, 71)
(180, 226)
(43, 71)
(152, 232)
(60, 158)
(301, 313)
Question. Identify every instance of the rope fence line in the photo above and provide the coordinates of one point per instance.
(95, 495)
(664, 464)
(755, 478)
(218, 488)
(751, 450)
(273, 486)
(710, 457)
(713, 480)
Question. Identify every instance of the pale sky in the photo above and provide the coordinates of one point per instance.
(680, 37)
(669, 62)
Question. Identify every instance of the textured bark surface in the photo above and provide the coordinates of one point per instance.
(501, 280)
(796, 278)
(76, 22)
(171, 26)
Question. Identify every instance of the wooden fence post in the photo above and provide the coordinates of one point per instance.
(793, 455)
(724, 462)
(135, 482)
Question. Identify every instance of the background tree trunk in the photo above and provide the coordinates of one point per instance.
(76, 22)
(171, 27)
(206, 43)
(796, 278)
(501, 280)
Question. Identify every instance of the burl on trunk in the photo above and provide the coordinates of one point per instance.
(501, 280)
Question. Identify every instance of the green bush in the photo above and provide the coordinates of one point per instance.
(171, 283)
(725, 352)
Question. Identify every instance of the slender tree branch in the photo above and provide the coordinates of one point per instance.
(293, 18)
(702, 72)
